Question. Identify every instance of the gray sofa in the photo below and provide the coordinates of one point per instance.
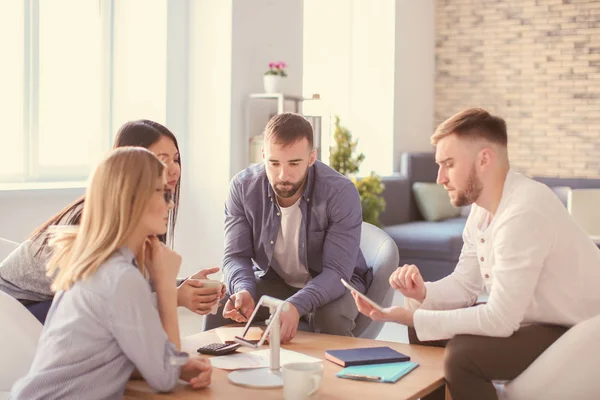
(435, 246)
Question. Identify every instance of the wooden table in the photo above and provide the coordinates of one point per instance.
(421, 381)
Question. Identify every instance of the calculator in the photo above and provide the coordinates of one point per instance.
(218, 349)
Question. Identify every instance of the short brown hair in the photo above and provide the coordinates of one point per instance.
(288, 128)
(474, 123)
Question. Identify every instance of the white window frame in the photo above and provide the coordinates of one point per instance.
(33, 171)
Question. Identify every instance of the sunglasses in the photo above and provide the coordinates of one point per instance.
(167, 194)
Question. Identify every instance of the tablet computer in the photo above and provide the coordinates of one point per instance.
(362, 296)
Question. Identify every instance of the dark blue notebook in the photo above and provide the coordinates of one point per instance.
(365, 356)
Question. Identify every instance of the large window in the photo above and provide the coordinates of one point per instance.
(66, 95)
(72, 72)
(349, 59)
(139, 61)
(12, 163)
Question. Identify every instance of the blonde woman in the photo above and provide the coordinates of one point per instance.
(102, 324)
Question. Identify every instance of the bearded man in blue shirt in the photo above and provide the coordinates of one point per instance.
(292, 230)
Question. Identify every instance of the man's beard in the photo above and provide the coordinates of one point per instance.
(291, 190)
(471, 193)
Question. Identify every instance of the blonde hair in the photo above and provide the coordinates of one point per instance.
(475, 123)
(118, 193)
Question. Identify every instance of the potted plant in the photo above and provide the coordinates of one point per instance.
(369, 187)
(272, 79)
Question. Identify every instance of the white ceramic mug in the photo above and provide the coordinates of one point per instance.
(301, 380)
(210, 283)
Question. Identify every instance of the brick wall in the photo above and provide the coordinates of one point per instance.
(536, 63)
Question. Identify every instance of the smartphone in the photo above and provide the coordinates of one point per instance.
(265, 301)
(362, 296)
(252, 341)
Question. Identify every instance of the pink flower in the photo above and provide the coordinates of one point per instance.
(276, 68)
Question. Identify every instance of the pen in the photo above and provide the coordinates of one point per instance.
(237, 309)
(362, 377)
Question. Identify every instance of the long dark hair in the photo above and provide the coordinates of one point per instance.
(140, 133)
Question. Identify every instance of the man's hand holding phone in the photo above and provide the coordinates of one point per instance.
(396, 314)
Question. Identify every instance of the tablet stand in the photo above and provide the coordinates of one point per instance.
(264, 377)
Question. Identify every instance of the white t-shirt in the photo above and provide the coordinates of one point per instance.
(537, 264)
(286, 247)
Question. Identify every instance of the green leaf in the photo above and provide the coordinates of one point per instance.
(343, 160)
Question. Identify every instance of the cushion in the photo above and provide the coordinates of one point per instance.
(465, 211)
(583, 206)
(433, 201)
(562, 192)
(429, 240)
(568, 369)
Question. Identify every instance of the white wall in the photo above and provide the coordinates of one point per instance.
(374, 64)
(263, 31)
(140, 60)
(22, 211)
(177, 64)
(349, 60)
(372, 77)
(205, 179)
(230, 45)
(415, 76)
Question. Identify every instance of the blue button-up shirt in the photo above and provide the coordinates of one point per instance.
(329, 239)
(96, 333)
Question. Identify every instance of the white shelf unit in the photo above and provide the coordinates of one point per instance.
(281, 99)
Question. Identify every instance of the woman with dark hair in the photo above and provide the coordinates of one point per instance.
(141, 133)
(23, 272)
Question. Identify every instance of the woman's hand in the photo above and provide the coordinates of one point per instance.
(192, 294)
(197, 371)
(161, 262)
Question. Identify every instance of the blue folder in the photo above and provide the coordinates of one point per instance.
(388, 373)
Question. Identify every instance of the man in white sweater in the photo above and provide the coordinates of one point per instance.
(539, 267)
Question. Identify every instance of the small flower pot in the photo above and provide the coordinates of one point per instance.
(273, 83)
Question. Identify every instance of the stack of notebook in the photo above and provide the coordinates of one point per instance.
(375, 364)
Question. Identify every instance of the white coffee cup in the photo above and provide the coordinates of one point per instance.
(210, 283)
(301, 380)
